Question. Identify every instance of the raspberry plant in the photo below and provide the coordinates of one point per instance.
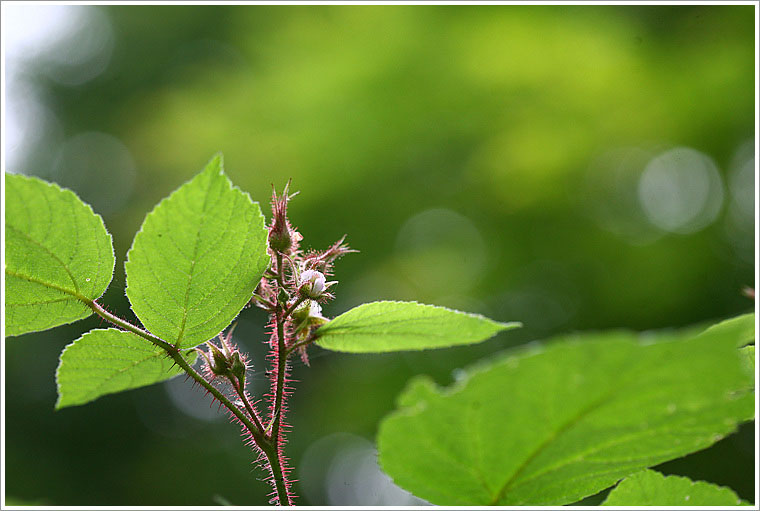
(201, 256)
(540, 425)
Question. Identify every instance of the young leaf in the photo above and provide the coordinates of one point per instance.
(108, 361)
(650, 488)
(197, 259)
(58, 256)
(396, 326)
(551, 425)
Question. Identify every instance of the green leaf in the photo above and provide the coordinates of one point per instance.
(549, 425)
(748, 357)
(58, 256)
(650, 488)
(108, 361)
(397, 326)
(742, 328)
(197, 259)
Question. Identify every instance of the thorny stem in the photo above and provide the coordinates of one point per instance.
(279, 271)
(267, 445)
(282, 357)
(283, 240)
(116, 320)
(241, 393)
(255, 429)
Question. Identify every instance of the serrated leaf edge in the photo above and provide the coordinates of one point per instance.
(77, 295)
(206, 169)
(153, 354)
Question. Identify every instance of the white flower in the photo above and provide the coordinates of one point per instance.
(312, 283)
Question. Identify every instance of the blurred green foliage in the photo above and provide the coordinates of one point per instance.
(480, 157)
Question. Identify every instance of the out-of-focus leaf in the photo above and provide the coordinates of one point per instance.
(58, 256)
(650, 488)
(396, 326)
(197, 259)
(550, 425)
(108, 361)
(748, 357)
(742, 328)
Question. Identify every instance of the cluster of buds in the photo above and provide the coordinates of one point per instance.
(291, 291)
(225, 361)
(297, 281)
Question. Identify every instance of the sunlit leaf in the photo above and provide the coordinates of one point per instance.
(549, 425)
(397, 326)
(197, 259)
(58, 256)
(108, 361)
(650, 488)
(748, 357)
(742, 328)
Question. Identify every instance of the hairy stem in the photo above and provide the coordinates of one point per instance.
(255, 429)
(280, 388)
(116, 320)
(282, 356)
(244, 398)
(290, 309)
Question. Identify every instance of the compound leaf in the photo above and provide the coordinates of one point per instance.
(197, 259)
(58, 256)
(650, 488)
(396, 326)
(108, 361)
(552, 424)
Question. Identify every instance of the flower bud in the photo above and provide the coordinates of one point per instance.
(238, 368)
(306, 317)
(220, 363)
(312, 284)
(283, 239)
(280, 239)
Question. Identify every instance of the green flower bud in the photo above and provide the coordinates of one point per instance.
(220, 364)
(238, 368)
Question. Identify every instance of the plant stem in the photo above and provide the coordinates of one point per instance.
(282, 356)
(255, 429)
(280, 388)
(290, 309)
(116, 320)
(274, 458)
(269, 447)
(279, 271)
(279, 478)
(241, 393)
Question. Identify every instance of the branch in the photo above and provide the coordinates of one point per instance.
(174, 352)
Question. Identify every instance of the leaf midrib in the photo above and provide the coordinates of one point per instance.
(194, 260)
(75, 294)
(546, 443)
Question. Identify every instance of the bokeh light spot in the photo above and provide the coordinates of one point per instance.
(97, 166)
(191, 401)
(441, 252)
(341, 470)
(681, 191)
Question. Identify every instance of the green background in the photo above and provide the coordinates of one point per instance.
(487, 158)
